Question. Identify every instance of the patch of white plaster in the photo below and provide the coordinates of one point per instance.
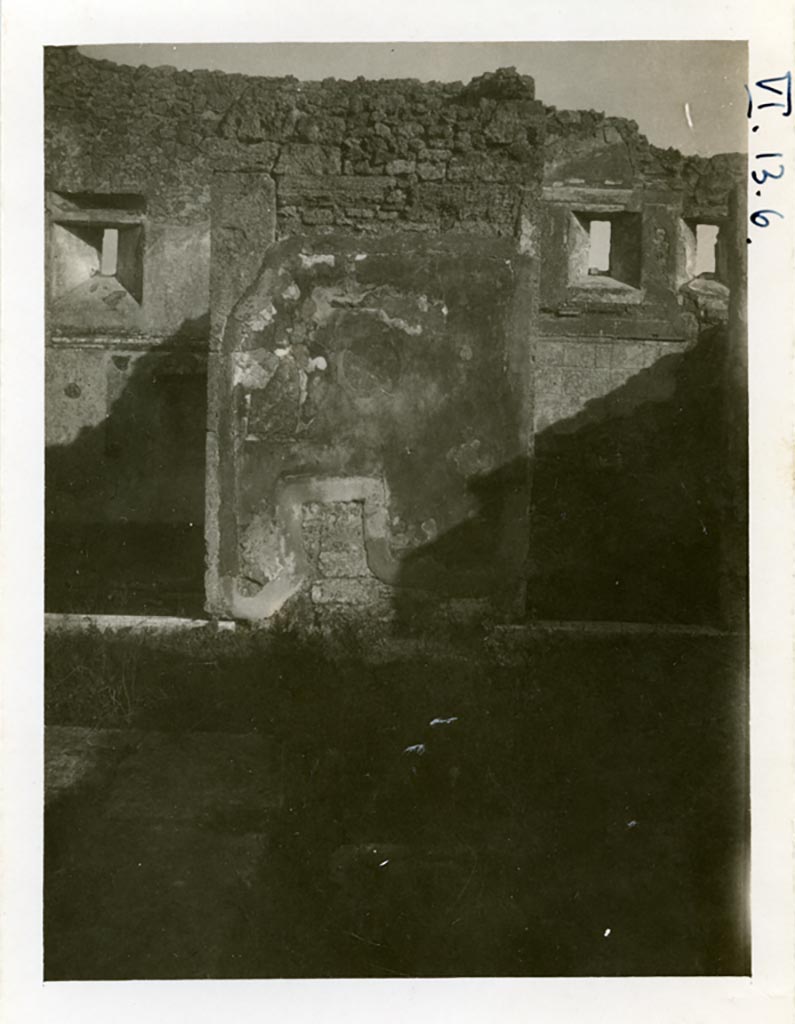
(315, 259)
(328, 300)
(398, 323)
(280, 555)
(261, 319)
(263, 604)
(254, 369)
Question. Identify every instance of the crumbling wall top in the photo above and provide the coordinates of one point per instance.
(163, 131)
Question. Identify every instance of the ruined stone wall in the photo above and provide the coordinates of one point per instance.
(245, 163)
(388, 282)
(376, 366)
(366, 157)
(631, 466)
(421, 156)
(126, 358)
(370, 390)
(596, 332)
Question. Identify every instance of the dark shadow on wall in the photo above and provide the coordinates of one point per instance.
(629, 500)
(478, 557)
(596, 783)
(577, 811)
(632, 497)
(124, 502)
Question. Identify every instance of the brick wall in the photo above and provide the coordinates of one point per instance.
(220, 168)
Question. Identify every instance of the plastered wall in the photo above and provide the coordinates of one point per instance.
(382, 291)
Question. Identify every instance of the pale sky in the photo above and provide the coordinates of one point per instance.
(649, 82)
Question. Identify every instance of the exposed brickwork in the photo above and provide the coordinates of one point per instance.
(570, 374)
(163, 131)
(625, 156)
(362, 155)
(334, 538)
(394, 280)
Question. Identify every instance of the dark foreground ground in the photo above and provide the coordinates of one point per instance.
(254, 805)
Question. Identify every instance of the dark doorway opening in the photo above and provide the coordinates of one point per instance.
(125, 498)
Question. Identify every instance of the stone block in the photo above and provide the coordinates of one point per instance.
(550, 353)
(505, 125)
(549, 379)
(401, 167)
(461, 170)
(583, 384)
(669, 348)
(483, 167)
(434, 155)
(553, 407)
(333, 189)
(229, 155)
(333, 535)
(579, 353)
(317, 216)
(430, 171)
(308, 158)
(619, 377)
(362, 592)
(633, 354)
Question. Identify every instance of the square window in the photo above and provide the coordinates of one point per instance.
(103, 240)
(702, 253)
(604, 250)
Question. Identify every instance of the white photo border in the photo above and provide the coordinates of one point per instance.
(29, 25)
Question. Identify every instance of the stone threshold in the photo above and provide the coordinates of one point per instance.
(77, 622)
(130, 343)
(608, 628)
(68, 622)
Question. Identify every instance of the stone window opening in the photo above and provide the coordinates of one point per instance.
(109, 258)
(604, 250)
(82, 252)
(91, 237)
(704, 251)
(706, 245)
(599, 247)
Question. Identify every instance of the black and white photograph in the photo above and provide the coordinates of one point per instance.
(395, 463)
(395, 514)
